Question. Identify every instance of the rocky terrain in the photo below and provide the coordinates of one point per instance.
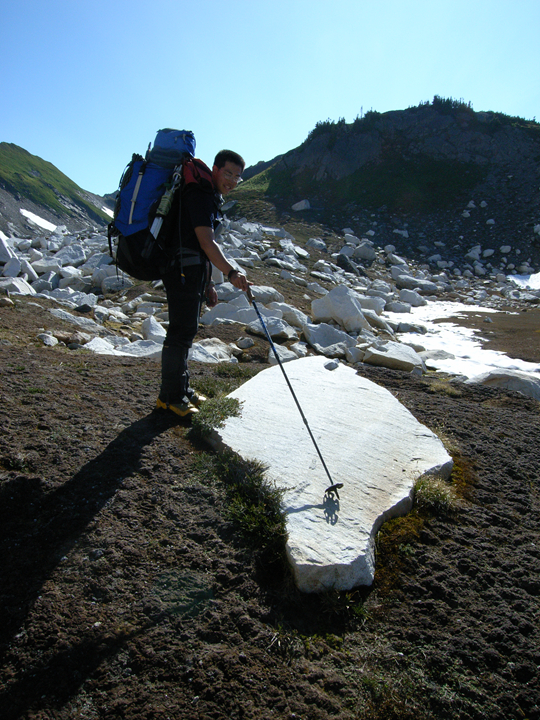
(134, 587)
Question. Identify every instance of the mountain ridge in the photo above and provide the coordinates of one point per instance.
(27, 182)
(442, 173)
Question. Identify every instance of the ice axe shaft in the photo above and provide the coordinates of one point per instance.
(252, 301)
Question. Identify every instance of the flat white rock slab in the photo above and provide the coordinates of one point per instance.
(370, 443)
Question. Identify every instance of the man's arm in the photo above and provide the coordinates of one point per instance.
(205, 236)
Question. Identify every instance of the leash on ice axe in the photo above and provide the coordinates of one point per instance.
(334, 487)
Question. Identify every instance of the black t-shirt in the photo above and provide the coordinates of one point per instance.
(199, 208)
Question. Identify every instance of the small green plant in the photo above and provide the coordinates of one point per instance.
(434, 495)
(213, 414)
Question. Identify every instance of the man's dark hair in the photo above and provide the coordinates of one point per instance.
(224, 156)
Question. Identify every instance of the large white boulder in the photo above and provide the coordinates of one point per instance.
(522, 382)
(370, 443)
(394, 355)
(17, 286)
(342, 305)
(71, 255)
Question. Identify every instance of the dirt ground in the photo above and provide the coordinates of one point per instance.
(128, 591)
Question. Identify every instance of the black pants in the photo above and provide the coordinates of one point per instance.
(184, 300)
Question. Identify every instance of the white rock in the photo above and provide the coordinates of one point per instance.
(393, 355)
(115, 283)
(365, 251)
(290, 314)
(12, 268)
(265, 294)
(355, 354)
(328, 340)
(211, 350)
(415, 283)
(341, 304)
(300, 349)
(71, 255)
(403, 233)
(46, 264)
(396, 260)
(317, 243)
(398, 306)
(522, 382)
(316, 288)
(276, 328)
(505, 249)
(6, 251)
(474, 253)
(28, 270)
(370, 443)
(152, 330)
(17, 286)
(371, 302)
(302, 205)
(140, 348)
(34, 255)
(376, 321)
(412, 298)
(284, 354)
(245, 342)
(48, 339)
(83, 322)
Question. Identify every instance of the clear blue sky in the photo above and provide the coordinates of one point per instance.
(85, 83)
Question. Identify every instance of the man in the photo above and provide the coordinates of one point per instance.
(185, 285)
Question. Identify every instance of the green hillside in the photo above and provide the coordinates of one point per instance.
(41, 182)
(401, 177)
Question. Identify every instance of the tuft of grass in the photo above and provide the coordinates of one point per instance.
(443, 387)
(434, 496)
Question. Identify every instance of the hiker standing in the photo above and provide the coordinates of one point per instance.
(193, 218)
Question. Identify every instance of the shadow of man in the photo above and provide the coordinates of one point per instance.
(37, 528)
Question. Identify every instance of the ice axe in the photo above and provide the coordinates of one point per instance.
(334, 487)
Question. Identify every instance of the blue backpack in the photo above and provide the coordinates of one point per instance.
(145, 195)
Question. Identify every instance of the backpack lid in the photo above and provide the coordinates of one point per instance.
(172, 147)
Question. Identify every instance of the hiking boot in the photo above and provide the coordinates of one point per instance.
(196, 398)
(179, 408)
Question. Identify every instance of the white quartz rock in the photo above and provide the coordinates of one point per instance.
(370, 442)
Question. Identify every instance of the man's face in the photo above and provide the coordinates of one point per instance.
(226, 178)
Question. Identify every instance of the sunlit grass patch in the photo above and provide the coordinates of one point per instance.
(434, 495)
